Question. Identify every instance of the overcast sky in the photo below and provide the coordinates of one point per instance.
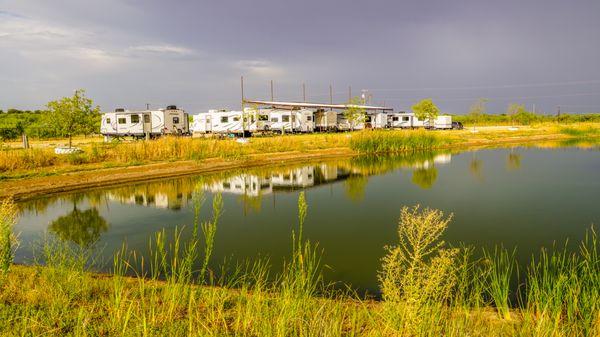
(192, 53)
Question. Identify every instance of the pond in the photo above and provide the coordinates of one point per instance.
(523, 197)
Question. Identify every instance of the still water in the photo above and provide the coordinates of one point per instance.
(521, 197)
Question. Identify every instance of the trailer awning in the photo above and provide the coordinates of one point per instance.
(318, 105)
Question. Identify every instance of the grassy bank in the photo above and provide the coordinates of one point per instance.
(428, 289)
(40, 161)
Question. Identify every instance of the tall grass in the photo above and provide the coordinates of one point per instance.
(8, 241)
(381, 141)
(428, 289)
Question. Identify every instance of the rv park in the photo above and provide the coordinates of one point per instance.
(310, 168)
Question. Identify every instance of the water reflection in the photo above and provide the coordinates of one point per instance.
(252, 185)
(80, 227)
(513, 160)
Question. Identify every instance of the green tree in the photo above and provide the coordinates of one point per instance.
(73, 115)
(354, 113)
(426, 110)
(477, 110)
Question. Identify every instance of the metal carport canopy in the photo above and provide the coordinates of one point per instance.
(317, 105)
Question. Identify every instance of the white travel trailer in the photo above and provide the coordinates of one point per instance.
(231, 122)
(170, 121)
(377, 120)
(292, 120)
(409, 120)
(125, 123)
(343, 124)
(144, 123)
(326, 120)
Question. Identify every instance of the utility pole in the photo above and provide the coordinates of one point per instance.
(349, 93)
(243, 114)
(147, 106)
(304, 92)
(558, 114)
(330, 96)
(272, 91)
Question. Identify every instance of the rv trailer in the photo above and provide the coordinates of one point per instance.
(125, 123)
(409, 120)
(144, 123)
(326, 120)
(231, 122)
(377, 120)
(294, 120)
(170, 121)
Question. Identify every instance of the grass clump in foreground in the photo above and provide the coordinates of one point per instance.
(428, 289)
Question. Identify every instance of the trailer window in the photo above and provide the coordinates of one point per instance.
(175, 120)
(308, 118)
(405, 119)
(285, 118)
(122, 120)
(263, 117)
(394, 119)
(107, 120)
(224, 119)
(135, 118)
(146, 118)
(236, 119)
(274, 120)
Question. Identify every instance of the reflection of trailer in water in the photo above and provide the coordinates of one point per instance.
(299, 177)
(243, 184)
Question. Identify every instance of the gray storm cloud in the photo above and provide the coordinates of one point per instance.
(192, 53)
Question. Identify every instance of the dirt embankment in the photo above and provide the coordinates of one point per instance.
(21, 189)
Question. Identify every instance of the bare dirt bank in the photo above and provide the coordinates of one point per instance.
(27, 188)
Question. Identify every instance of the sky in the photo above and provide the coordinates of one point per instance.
(192, 53)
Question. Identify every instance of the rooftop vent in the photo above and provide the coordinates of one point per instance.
(119, 110)
(171, 107)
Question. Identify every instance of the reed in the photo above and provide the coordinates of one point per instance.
(374, 142)
(8, 241)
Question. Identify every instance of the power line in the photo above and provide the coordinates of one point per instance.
(498, 98)
(504, 86)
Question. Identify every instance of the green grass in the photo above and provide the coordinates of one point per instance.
(428, 289)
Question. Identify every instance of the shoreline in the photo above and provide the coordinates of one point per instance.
(21, 189)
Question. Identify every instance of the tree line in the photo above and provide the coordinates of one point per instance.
(65, 117)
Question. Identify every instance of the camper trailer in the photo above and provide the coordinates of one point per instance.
(292, 120)
(377, 120)
(170, 121)
(125, 123)
(409, 120)
(344, 124)
(326, 120)
(231, 122)
(144, 123)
